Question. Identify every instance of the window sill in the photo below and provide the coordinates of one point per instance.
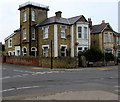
(63, 37)
(33, 39)
(9, 46)
(45, 38)
(24, 21)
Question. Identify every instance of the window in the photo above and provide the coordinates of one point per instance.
(33, 15)
(85, 48)
(79, 32)
(106, 37)
(24, 16)
(24, 34)
(24, 51)
(63, 50)
(45, 33)
(111, 37)
(10, 53)
(45, 51)
(85, 32)
(33, 51)
(80, 49)
(33, 33)
(118, 40)
(62, 31)
(10, 43)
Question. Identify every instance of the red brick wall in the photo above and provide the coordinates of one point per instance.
(2, 59)
(22, 61)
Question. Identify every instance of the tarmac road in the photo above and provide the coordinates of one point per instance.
(25, 82)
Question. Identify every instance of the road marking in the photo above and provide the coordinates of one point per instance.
(6, 77)
(25, 74)
(19, 88)
(17, 76)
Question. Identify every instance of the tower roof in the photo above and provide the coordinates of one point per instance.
(32, 4)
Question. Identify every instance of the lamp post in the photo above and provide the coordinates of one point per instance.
(51, 56)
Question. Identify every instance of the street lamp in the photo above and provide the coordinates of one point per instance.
(51, 56)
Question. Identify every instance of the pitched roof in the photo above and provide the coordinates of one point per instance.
(98, 28)
(58, 20)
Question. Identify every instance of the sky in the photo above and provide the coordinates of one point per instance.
(97, 10)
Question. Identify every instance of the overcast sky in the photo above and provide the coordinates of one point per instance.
(97, 10)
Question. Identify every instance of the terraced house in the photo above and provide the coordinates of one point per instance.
(40, 35)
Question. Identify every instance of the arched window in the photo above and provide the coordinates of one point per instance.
(33, 15)
(24, 51)
(33, 51)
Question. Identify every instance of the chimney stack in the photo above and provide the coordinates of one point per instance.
(103, 21)
(58, 14)
(90, 23)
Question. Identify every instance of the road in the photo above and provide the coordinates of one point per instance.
(20, 82)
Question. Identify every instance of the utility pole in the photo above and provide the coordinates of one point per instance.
(51, 56)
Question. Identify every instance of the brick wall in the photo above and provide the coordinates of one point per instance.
(65, 62)
(22, 61)
(2, 59)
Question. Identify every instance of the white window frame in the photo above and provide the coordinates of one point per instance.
(24, 54)
(10, 43)
(47, 54)
(24, 16)
(34, 50)
(82, 25)
(24, 34)
(85, 32)
(111, 37)
(33, 15)
(79, 32)
(65, 49)
(45, 32)
(63, 31)
(33, 34)
(10, 53)
(118, 40)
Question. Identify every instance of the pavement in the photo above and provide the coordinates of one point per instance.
(78, 95)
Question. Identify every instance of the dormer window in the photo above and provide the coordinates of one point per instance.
(33, 15)
(24, 16)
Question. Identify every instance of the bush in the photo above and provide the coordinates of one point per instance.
(109, 57)
(92, 55)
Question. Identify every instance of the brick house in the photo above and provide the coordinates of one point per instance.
(104, 37)
(117, 48)
(45, 37)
